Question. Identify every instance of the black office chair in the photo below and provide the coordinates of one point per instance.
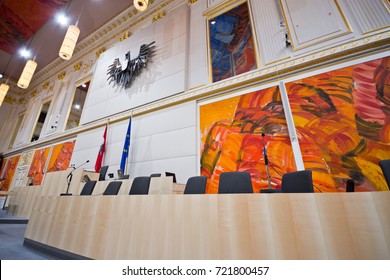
(155, 175)
(113, 188)
(103, 172)
(88, 188)
(297, 182)
(140, 185)
(196, 185)
(385, 166)
(235, 182)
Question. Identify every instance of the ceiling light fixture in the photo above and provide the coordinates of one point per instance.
(4, 87)
(70, 40)
(28, 72)
(141, 5)
(3, 92)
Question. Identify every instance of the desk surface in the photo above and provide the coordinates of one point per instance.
(239, 226)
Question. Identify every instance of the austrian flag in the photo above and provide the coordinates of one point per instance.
(102, 150)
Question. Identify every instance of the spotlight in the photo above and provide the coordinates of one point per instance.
(25, 53)
(62, 19)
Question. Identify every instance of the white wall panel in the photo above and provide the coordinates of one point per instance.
(270, 35)
(160, 141)
(313, 22)
(197, 64)
(370, 15)
(164, 76)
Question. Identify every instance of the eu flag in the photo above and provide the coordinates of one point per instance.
(126, 146)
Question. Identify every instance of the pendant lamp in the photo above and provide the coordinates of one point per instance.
(69, 42)
(27, 74)
(3, 91)
(141, 5)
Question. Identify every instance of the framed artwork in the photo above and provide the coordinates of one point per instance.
(231, 138)
(342, 122)
(342, 118)
(231, 42)
(9, 171)
(37, 167)
(61, 156)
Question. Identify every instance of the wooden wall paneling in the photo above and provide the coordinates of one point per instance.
(234, 227)
(366, 229)
(383, 209)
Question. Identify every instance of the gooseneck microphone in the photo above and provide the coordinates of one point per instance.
(70, 176)
(266, 162)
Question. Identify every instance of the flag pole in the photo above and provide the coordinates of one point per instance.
(128, 148)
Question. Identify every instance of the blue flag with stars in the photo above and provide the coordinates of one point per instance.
(126, 146)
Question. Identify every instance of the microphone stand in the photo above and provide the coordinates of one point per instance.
(69, 178)
(266, 163)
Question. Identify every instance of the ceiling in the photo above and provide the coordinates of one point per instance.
(32, 23)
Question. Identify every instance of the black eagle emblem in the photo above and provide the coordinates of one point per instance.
(125, 77)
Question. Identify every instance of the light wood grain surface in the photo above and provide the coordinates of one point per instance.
(237, 226)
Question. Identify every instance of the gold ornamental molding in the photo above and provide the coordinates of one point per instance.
(192, 1)
(61, 76)
(45, 85)
(77, 66)
(158, 16)
(9, 100)
(126, 35)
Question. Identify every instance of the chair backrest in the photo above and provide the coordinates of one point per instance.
(140, 185)
(385, 166)
(112, 188)
(88, 188)
(297, 182)
(170, 174)
(235, 182)
(196, 185)
(103, 172)
(155, 175)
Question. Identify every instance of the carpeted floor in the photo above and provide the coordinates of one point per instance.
(11, 243)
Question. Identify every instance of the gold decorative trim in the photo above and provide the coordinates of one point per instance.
(61, 76)
(277, 61)
(222, 7)
(158, 16)
(9, 100)
(192, 1)
(45, 86)
(123, 37)
(33, 93)
(77, 66)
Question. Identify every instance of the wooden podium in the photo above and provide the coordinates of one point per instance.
(313, 226)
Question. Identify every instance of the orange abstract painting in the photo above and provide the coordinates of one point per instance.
(60, 157)
(36, 170)
(231, 138)
(9, 171)
(343, 121)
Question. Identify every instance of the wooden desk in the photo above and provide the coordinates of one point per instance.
(6, 194)
(236, 226)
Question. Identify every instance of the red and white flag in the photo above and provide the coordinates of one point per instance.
(102, 150)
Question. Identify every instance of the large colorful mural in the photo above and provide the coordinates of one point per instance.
(341, 119)
(231, 43)
(231, 137)
(9, 172)
(61, 156)
(37, 166)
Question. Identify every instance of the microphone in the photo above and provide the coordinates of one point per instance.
(70, 176)
(266, 162)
